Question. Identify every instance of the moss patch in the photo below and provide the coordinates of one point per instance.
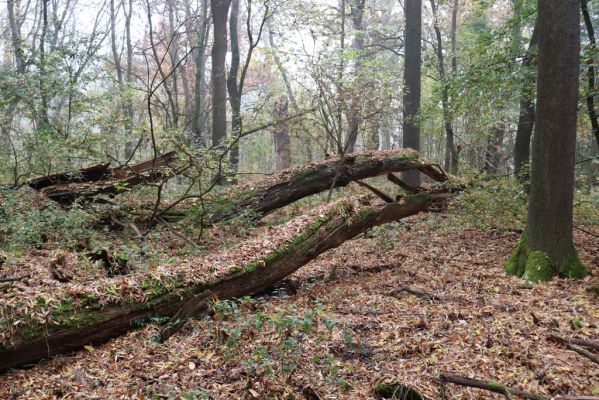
(537, 266)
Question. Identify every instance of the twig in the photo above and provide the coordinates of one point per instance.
(570, 345)
(15, 279)
(502, 389)
(585, 231)
(177, 234)
(426, 295)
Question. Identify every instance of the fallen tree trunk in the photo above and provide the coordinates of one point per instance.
(296, 183)
(74, 324)
(66, 187)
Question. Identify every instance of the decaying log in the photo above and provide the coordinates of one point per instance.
(89, 182)
(92, 323)
(573, 344)
(296, 183)
(507, 391)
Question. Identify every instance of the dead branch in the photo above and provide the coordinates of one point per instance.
(507, 391)
(569, 343)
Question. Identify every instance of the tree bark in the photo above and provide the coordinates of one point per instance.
(220, 10)
(232, 87)
(198, 121)
(275, 192)
(281, 136)
(526, 120)
(547, 247)
(93, 324)
(411, 78)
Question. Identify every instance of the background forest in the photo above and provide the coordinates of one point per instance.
(90, 81)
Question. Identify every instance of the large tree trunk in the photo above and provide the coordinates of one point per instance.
(281, 136)
(232, 87)
(526, 120)
(220, 9)
(294, 184)
(493, 150)
(547, 247)
(87, 322)
(411, 78)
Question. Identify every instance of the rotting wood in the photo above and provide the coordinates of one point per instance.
(296, 183)
(87, 325)
(507, 391)
(89, 182)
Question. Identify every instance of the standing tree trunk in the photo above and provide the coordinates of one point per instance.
(354, 118)
(232, 87)
(590, 100)
(129, 78)
(220, 9)
(546, 247)
(411, 78)
(526, 120)
(493, 150)
(281, 135)
(451, 152)
(198, 120)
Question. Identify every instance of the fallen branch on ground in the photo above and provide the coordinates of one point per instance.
(507, 391)
(570, 344)
(89, 182)
(425, 295)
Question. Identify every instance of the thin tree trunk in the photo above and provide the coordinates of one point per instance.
(220, 10)
(198, 123)
(526, 120)
(232, 86)
(354, 117)
(546, 247)
(412, 84)
(590, 98)
(451, 153)
(281, 136)
(128, 11)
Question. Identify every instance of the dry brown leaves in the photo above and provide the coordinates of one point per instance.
(496, 329)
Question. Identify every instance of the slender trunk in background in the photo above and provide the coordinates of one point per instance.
(15, 36)
(493, 150)
(198, 121)
(354, 118)
(411, 81)
(526, 120)
(43, 119)
(232, 87)
(220, 9)
(374, 142)
(281, 135)
(174, 58)
(592, 50)
(547, 248)
(305, 138)
(128, 11)
(451, 153)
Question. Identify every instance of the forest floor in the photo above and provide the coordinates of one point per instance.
(339, 325)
